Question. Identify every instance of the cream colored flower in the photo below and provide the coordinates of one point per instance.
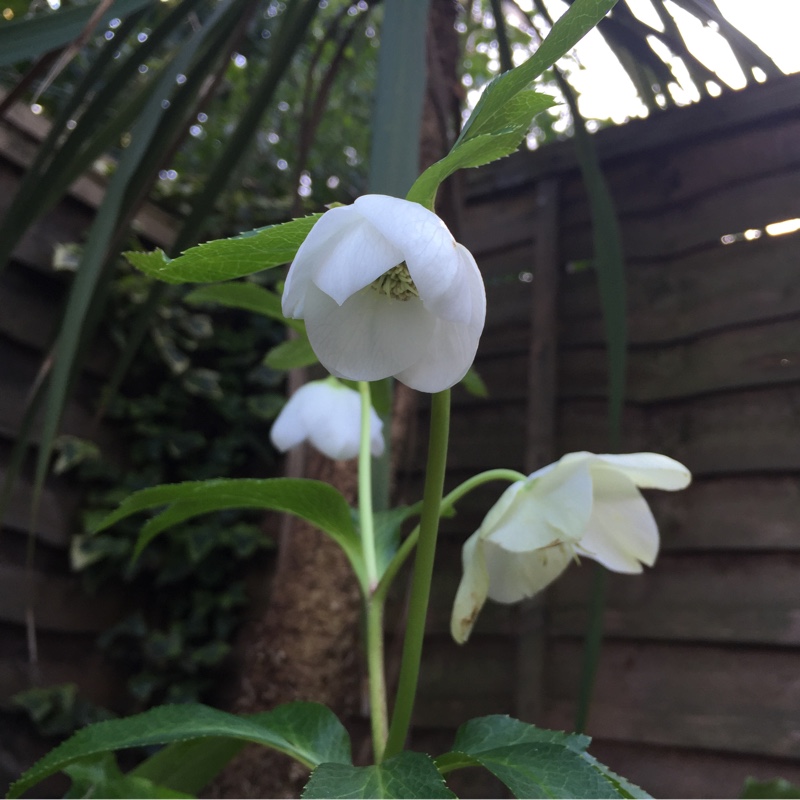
(385, 290)
(327, 414)
(583, 505)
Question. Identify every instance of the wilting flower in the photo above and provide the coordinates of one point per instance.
(385, 290)
(583, 505)
(327, 414)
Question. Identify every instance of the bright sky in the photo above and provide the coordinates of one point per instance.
(606, 91)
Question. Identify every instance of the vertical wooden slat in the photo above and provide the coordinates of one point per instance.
(540, 427)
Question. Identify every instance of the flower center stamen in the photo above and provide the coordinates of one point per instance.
(396, 283)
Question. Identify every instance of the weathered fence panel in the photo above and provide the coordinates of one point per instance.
(43, 595)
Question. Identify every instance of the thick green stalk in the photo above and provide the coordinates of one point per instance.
(379, 714)
(423, 572)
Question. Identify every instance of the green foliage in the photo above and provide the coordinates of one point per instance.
(291, 354)
(100, 776)
(777, 788)
(533, 762)
(408, 775)
(58, 710)
(308, 732)
(247, 296)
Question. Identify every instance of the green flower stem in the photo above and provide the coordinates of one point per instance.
(366, 518)
(379, 714)
(423, 572)
(410, 542)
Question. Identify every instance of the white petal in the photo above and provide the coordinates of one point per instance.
(289, 428)
(427, 245)
(514, 576)
(650, 470)
(621, 532)
(333, 421)
(370, 336)
(452, 346)
(332, 225)
(549, 510)
(355, 259)
(472, 590)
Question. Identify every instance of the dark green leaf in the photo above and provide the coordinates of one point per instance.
(308, 732)
(777, 788)
(291, 354)
(408, 775)
(534, 762)
(99, 776)
(545, 770)
(247, 296)
(315, 501)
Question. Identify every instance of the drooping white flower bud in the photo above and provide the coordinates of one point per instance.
(327, 414)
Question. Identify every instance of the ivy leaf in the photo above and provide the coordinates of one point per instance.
(533, 762)
(223, 259)
(246, 296)
(314, 501)
(512, 125)
(409, 775)
(490, 115)
(291, 354)
(308, 732)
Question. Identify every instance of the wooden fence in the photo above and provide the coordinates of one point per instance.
(699, 682)
(49, 597)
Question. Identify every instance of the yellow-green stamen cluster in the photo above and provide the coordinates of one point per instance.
(396, 283)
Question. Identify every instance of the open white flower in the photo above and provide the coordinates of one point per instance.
(385, 290)
(327, 414)
(584, 504)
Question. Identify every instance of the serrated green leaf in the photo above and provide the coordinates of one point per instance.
(500, 730)
(534, 762)
(224, 259)
(489, 112)
(408, 775)
(545, 770)
(246, 296)
(314, 501)
(308, 732)
(623, 786)
(513, 123)
(291, 354)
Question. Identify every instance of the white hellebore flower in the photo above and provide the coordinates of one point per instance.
(385, 290)
(584, 504)
(327, 414)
